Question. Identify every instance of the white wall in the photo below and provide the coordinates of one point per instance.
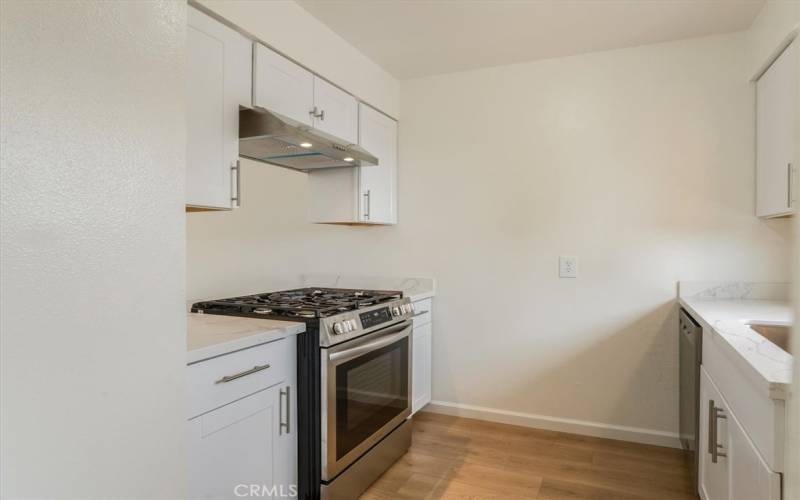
(92, 240)
(289, 28)
(639, 161)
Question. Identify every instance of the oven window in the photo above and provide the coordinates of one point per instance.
(370, 391)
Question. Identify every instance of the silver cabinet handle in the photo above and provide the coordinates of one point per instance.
(367, 201)
(236, 168)
(317, 113)
(714, 414)
(285, 426)
(790, 188)
(419, 313)
(245, 373)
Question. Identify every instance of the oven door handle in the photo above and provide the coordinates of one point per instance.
(340, 357)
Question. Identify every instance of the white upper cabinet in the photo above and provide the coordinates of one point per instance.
(289, 89)
(378, 135)
(218, 82)
(775, 132)
(336, 111)
(360, 195)
(282, 86)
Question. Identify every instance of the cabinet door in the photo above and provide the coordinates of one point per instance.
(750, 477)
(282, 86)
(713, 476)
(337, 111)
(775, 133)
(378, 184)
(218, 82)
(235, 445)
(422, 348)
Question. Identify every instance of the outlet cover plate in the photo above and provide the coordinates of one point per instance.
(568, 266)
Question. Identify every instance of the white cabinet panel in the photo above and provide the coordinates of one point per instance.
(248, 440)
(378, 184)
(282, 86)
(742, 473)
(423, 312)
(421, 367)
(235, 445)
(763, 417)
(334, 195)
(750, 477)
(775, 132)
(360, 195)
(713, 476)
(337, 111)
(218, 82)
(248, 371)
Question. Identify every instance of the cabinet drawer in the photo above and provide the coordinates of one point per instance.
(219, 381)
(423, 312)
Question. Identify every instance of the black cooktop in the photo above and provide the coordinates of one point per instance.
(298, 303)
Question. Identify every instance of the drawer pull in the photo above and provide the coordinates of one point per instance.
(245, 373)
(285, 426)
(714, 414)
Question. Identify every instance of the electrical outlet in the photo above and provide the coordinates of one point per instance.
(568, 266)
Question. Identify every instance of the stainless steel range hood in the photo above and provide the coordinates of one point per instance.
(272, 138)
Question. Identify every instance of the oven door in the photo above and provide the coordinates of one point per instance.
(367, 394)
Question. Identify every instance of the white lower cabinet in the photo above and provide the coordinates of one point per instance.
(422, 356)
(713, 474)
(248, 446)
(738, 472)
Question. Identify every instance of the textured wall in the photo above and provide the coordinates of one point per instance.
(639, 161)
(92, 240)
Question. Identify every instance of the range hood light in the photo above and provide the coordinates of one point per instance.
(305, 145)
(347, 158)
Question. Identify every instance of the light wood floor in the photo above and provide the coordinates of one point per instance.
(454, 457)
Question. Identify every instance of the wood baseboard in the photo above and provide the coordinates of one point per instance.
(582, 427)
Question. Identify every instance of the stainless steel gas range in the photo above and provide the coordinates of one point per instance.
(354, 381)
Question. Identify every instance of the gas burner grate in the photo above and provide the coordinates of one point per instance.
(301, 302)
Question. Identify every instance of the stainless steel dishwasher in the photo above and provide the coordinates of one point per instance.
(691, 352)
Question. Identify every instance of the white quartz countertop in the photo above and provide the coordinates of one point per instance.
(210, 335)
(413, 288)
(727, 320)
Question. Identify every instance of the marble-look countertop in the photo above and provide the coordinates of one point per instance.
(725, 311)
(413, 288)
(210, 335)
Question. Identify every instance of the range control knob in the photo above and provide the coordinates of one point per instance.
(352, 324)
(338, 328)
(396, 311)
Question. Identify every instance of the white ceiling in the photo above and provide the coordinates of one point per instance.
(413, 38)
